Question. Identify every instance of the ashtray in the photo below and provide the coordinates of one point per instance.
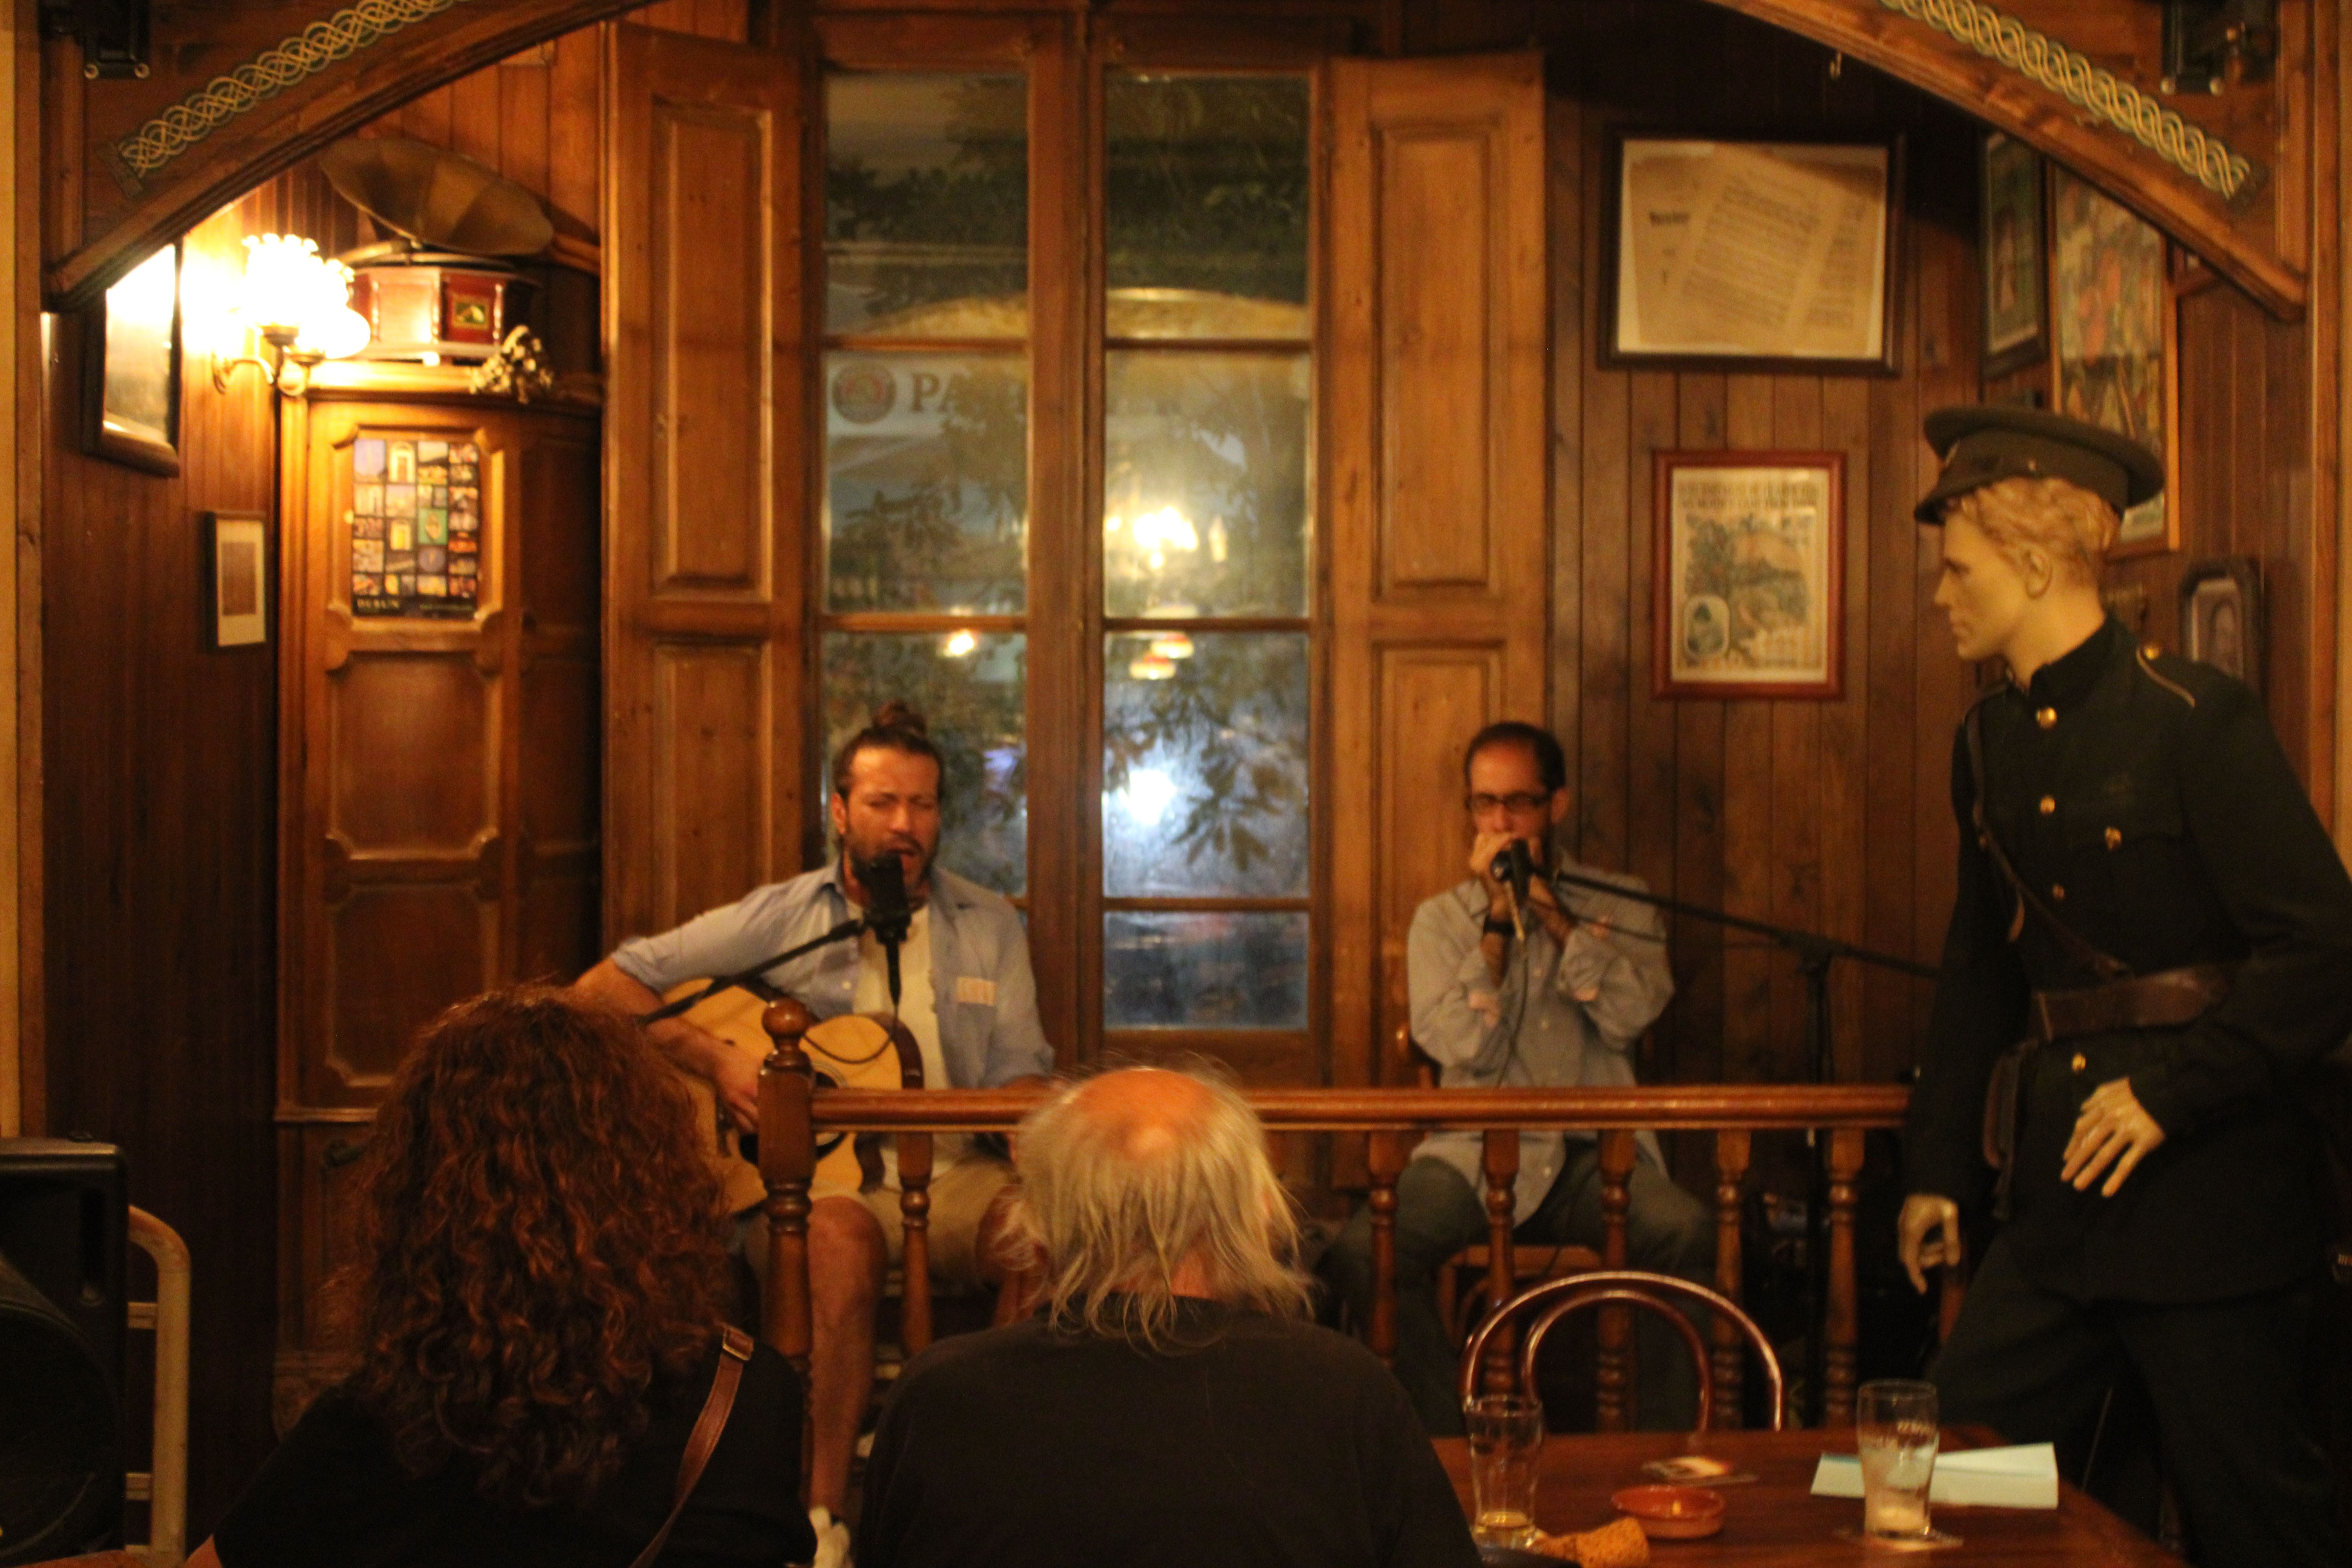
(1671, 1513)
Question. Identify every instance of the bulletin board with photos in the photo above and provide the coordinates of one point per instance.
(416, 526)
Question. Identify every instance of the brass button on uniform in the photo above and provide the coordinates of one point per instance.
(2114, 837)
(2046, 717)
(2049, 805)
(2080, 1061)
(2058, 892)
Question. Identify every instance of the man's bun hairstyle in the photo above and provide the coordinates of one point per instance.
(896, 727)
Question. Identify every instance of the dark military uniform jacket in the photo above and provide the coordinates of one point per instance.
(2146, 799)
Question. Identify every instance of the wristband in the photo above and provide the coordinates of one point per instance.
(1500, 925)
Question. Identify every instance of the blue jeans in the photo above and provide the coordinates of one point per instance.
(1438, 1214)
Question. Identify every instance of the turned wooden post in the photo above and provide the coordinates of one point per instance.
(1732, 1152)
(1384, 1159)
(915, 1257)
(787, 1162)
(1613, 1379)
(1841, 1322)
(1501, 1165)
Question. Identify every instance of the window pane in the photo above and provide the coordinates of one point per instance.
(1206, 971)
(968, 686)
(927, 205)
(1204, 764)
(925, 504)
(1205, 207)
(1204, 484)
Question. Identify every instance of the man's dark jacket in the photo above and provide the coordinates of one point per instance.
(2145, 798)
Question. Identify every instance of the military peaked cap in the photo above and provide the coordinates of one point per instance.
(1985, 444)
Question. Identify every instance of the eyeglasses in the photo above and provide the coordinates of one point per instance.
(1517, 805)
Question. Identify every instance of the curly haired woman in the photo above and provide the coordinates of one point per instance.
(537, 1297)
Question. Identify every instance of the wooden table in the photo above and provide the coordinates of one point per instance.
(1775, 1519)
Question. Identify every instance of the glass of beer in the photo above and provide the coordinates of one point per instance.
(1506, 1432)
(1895, 1430)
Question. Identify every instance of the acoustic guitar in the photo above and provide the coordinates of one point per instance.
(856, 1050)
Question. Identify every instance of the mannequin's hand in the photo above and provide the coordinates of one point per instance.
(2112, 1124)
(1923, 1213)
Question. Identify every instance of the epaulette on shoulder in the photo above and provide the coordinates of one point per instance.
(2174, 675)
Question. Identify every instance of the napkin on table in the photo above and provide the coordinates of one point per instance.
(2025, 1476)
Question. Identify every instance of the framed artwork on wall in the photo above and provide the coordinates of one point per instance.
(131, 367)
(237, 571)
(1749, 591)
(2221, 617)
(1753, 255)
(2115, 352)
(2015, 265)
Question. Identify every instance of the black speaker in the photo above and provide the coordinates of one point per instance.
(63, 1228)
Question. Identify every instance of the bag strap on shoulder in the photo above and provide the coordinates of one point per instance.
(734, 1355)
(2104, 965)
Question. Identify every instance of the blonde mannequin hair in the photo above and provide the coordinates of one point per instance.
(2072, 527)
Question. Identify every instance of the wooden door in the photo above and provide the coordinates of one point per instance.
(706, 494)
(1438, 474)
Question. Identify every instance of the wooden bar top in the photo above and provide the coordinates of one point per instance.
(1774, 1522)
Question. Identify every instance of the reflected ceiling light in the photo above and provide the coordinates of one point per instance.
(958, 645)
(1165, 530)
(1152, 666)
(1173, 644)
(300, 304)
(1217, 539)
(1148, 794)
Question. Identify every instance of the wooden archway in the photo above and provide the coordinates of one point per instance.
(239, 93)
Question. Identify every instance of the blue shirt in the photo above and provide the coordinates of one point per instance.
(986, 996)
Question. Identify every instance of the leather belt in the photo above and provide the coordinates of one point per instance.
(2169, 999)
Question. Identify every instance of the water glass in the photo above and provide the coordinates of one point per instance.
(1895, 1430)
(1506, 1432)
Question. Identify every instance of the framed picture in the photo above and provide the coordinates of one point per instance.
(2221, 617)
(2016, 276)
(1748, 582)
(237, 565)
(2115, 358)
(1748, 254)
(131, 368)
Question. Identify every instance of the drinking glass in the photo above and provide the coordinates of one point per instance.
(1505, 1434)
(1895, 1427)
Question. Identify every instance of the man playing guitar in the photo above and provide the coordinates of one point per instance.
(966, 995)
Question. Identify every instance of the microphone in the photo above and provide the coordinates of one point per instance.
(886, 909)
(1513, 865)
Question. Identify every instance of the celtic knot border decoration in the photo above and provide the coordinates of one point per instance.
(2041, 58)
(284, 64)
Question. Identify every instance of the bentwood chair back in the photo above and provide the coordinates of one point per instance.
(1542, 1306)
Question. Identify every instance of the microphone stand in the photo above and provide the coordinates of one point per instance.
(1815, 952)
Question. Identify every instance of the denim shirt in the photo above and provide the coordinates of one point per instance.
(1563, 1017)
(986, 996)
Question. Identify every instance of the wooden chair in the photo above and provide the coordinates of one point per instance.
(1462, 1280)
(1553, 1300)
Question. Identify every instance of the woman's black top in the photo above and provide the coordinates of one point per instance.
(332, 1493)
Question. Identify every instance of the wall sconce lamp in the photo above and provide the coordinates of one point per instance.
(299, 302)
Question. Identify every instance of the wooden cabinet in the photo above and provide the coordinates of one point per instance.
(438, 755)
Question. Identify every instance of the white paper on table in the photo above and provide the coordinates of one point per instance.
(2025, 1476)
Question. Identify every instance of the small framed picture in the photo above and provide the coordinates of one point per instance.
(2016, 278)
(131, 368)
(237, 558)
(1749, 581)
(1737, 254)
(2116, 360)
(2221, 617)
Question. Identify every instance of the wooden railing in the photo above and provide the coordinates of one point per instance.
(792, 1115)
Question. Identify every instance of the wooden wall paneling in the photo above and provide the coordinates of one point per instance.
(1604, 617)
(560, 693)
(1748, 865)
(1844, 844)
(1697, 1016)
(2303, 701)
(1570, 247)
(524, 130)
(1650, 796)
(1435, 420)
(704, 510)
(1795, 781)
(474, 116)
(575, 107)
(1892, 803)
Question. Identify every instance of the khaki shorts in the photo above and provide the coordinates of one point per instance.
(960, 1197)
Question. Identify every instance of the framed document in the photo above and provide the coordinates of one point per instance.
(2221, 617)
(1749, 591)
(131, 367)
(2016, 276)
(1750, 256)
(2116, 360)
(236, 562)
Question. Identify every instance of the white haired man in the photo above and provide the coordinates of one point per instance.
(1166, 1406)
